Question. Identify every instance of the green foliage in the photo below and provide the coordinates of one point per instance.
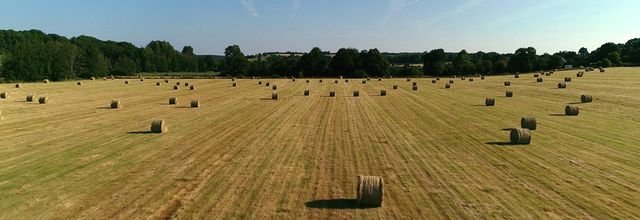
(434, 62)
(374, 63)
(524, 60)
(605, 62)
(235, 63)
(345, 62)
(314, 63)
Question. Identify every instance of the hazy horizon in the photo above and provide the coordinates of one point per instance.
(299, 25)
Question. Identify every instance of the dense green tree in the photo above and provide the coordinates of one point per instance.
(523, 60)
(463, 64)
(373, 63)
(345, 62)
(235, 63)
(189, 60)
(314, 63)
(434, 62)
(124, 66)
(555, 62)
(92, 63)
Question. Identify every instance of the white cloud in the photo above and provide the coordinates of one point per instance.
(250, 8)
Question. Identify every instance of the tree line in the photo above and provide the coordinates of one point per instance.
(33, 55)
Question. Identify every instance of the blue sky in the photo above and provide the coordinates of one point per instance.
(298, 25)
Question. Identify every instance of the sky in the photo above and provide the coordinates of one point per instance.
(299, 25)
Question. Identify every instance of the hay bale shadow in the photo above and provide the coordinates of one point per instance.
(574, 103)
(499, 143)
(334, 204)
(140, 132)
(103, 107)
(556, 114)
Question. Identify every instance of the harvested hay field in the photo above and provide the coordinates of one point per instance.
(442, 154)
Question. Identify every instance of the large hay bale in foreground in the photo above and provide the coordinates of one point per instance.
(4, 94)
(571, 110)
(520, 136)
(507, 83)
(383, 92)
(528, 122)
(567, 79)
(30, 98)
(274, 95)
(370, 190)
(395, 86)
(562, 85)
(116, 104)
(43, 100)
(173, 101)
(159, 126)
(195, 104)
(586, 98)
(539, 80)
(508, 93)
(306, 92)
(356, 93)
(332, 93)
(490, 101)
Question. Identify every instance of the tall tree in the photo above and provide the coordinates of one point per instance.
(345, 62)
(434, 62)
(314, 63)
(235, 63)
(189, 60)
(374, 63)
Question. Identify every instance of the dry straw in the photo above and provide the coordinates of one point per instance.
(159, 126)
(195, 103)
(30, 98)
(528, 122)
(173, 101)
(490, 101)
(586, 98)
(571, 110)
(43, 100)
(116, 104)
(562, 85)
(520, 136)
(370, 190)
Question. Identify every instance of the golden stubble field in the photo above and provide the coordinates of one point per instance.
(243, 155)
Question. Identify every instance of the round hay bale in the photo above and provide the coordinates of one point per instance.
(18, 85)
(307, 81)
(186, 84)
(462, 78)
(234, 84)
(536, 75)
(586, 98)
(408, 80)
(157, 83)
(447, 86)
(482, 78)
(159, 126)
(293, 79)
(346, 80)
(571, 110)
(192, 87)
(259, 82)
(320, 81)
(528, 122)
(580, 74)
(43, 100)
(116, 104)
(370, 190)
(450, 81)
(195, 104)
(79, 83)
(364, 81)
(332, 93)
(415, 87)
(383, 92)
(30, 98)
(177, 83)
(126, 82)
(516, 76)
(336, 81)
(93, 78)
(508, 93)
(562, 85)
(507, 83)
(175, 87)
(274, 95)
(306, 92)
(233, 79)
(45, 81)
(368, 79)
(470, 79)
(173, 101)
(379, 79)
(415, 83)
(104, 78)
(567, 79)
(601, 70)
(166, 81)
(539, 80)
(547, 74)
(142, 80)
(267, 84)
(356, 93)
(490, 101)
(520, 136)
(434, 81)
(274, 87)
(4, 94)
(395, 86)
